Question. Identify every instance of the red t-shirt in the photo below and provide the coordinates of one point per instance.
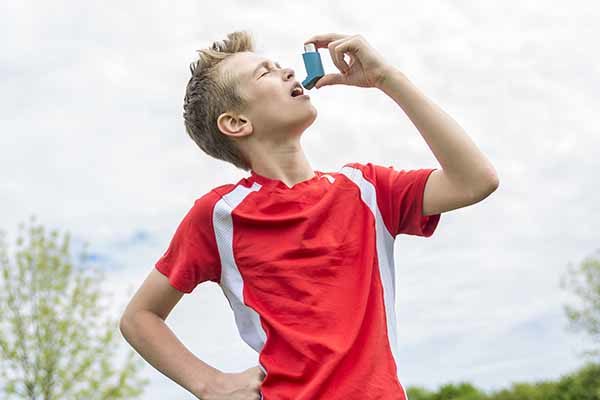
(309, 274)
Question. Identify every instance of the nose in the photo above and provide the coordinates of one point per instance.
(288, 73)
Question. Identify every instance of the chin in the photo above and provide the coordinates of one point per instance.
(310, 116)
(309, 121)
(314, 115)
(301, 124)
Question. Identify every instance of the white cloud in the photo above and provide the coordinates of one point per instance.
(92, 142)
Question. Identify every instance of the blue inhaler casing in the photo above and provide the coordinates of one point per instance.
(313, 65)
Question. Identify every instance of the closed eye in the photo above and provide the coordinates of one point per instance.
(276, 64)
(266, 72)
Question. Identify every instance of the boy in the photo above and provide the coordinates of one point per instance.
(305, 258)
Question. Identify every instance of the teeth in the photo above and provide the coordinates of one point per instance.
(297, 91)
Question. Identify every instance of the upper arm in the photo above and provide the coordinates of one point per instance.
(192, 256)
(396, 195)
(442, 194)
(155, 295)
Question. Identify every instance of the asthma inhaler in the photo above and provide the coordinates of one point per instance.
(313, 65)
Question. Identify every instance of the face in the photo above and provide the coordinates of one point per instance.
(272, 111)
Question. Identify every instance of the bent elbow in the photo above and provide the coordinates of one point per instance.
(485, 190)
(494, 183)
(122, 326)
(124, 323)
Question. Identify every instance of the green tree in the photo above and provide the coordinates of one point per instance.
(583, 384)
(53, 343)
(460, 391)
(449, 391)
(528, 391)
(418, 393)
(584, 281)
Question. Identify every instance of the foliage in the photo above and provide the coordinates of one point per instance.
(583, 384)
(584, 281)
(53, 344)
(461, 391)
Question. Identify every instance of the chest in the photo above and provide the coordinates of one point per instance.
(301, 238)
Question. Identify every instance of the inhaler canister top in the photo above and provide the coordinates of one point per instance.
(310, 47)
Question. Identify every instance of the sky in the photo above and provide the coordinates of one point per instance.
(92, 143)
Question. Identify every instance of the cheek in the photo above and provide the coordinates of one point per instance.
(270, 89)
(273, 102)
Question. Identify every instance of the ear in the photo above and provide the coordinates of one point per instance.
(234, 125)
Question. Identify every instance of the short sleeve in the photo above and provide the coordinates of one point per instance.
(400, 198)
(192, 255)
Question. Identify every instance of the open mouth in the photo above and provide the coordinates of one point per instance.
(297, 91)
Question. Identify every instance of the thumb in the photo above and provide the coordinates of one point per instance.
(330, 79)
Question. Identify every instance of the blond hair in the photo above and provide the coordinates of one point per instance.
(211, 92)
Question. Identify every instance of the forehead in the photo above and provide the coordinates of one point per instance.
(244, 63)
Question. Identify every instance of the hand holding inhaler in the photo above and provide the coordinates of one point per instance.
(366, 67)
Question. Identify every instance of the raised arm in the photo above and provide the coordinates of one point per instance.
(467, 176)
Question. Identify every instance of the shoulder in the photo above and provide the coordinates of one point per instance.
(204, 205)
(215, 194)
(366, 169)
(364, 166)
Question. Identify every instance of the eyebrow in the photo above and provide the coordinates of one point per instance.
(264, 64)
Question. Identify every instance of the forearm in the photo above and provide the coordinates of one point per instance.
(458, 155)
(150, 336)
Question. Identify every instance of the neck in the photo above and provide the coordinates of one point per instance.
(287, 164)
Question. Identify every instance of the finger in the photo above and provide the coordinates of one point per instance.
(330, 79)
(346, 46)
(321, 41)
(338, 56)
